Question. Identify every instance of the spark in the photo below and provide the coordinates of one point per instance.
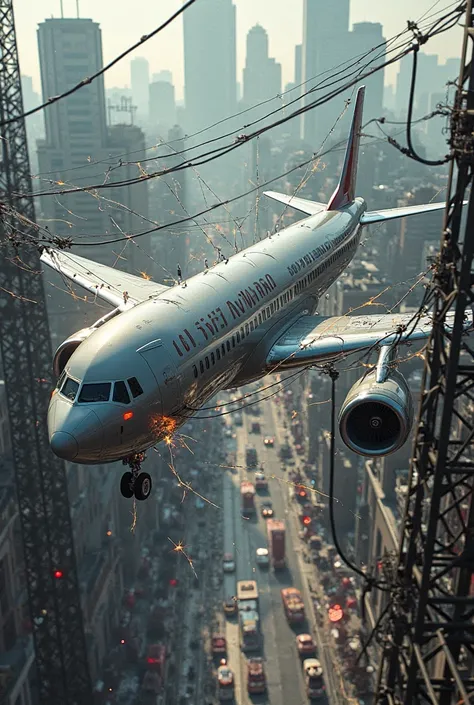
(145, 276)
(134, 516)
(179, 548)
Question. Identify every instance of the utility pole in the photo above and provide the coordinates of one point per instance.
(428, 656)
(54, 601)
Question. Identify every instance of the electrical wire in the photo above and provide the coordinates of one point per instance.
(211, 155)
(88, 80)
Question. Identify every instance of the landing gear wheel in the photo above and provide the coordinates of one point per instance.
(142, 487)
(126, 485)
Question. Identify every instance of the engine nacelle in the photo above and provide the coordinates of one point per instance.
(376, 417)
(67, 348)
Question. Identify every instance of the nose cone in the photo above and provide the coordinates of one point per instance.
(64, 445)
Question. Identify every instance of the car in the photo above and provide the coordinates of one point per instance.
(262, 557)
(260, 480)
(230, 605)
(255, 428)
(269, 441)
(228, 563)
(225, 681)
(256, 680)
(313, 676)
(305, 645)
(218, 644)
(267, 510)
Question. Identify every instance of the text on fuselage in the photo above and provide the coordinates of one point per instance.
(215, 321)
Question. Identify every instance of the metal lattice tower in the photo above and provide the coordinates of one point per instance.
(428, 655)
(55, 608)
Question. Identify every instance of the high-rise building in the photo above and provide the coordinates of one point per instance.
(76, 136)
(298, 63)
(325, 47)
(209, 62)
(162, 110)
(76, 130)
(35, 122)
(139, 80)
(262, 75)
(364, 37)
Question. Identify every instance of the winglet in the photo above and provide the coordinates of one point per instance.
(345, 191)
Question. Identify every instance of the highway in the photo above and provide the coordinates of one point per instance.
(242, 537)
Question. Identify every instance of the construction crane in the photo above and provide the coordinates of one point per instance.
(428, 644)
(54, 601)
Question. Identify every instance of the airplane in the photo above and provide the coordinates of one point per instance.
(142, 370)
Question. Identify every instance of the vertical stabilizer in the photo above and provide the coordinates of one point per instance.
(345, 191)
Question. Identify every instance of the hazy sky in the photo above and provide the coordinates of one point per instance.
(123, 22)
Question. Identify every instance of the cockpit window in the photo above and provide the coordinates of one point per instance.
(120, 393)
(95, 392)
(61, 379)
(69, 388)
(135, 388)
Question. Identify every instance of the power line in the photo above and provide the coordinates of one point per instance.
(88, 80)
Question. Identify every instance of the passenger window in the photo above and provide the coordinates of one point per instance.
(238, 337)
(91, 393)
(218, 353)
(213, 358)
(246, 329)
(121, 394)
(201, 366)
(233, 341)
(242, 334)
(223, 349)
(255, 322)
(260, 318)
(135, 387)
(70, 388)
(195, 371)
(228, 346)
(207, 362)
(251, 326)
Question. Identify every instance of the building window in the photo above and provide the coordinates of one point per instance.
(207, 362)
(228, 346)
(201, 366)
(213, 359)
(195, 371)
(218, 353)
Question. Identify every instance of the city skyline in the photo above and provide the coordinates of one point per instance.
(284, 28)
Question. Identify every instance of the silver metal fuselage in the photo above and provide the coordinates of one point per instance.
(193, 340)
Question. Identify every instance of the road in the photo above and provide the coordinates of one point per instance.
(242, 537)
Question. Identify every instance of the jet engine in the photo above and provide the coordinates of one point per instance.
(377, 414)
(67, 348)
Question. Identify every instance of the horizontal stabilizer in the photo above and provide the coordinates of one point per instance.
(299, 204)
(390, 213)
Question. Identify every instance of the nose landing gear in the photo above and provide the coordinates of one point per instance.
(134, 482)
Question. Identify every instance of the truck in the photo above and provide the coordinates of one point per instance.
(251, 458)
(249, 629)
(293, 605)
(247, 493)
(276, 542)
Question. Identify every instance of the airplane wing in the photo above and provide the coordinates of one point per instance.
(112, 285)
(299, 204)
(317, 339)
(390, 213)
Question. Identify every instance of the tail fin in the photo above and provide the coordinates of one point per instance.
(345, 191)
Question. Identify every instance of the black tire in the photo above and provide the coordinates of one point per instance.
(142, 487)
(125, 483)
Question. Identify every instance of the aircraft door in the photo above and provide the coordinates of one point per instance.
(166, 374)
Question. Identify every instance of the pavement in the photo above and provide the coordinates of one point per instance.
(242, 537)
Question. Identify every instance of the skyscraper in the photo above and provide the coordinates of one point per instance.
(139, 80)
(162, 110)
(325, 46)
(262, 75)
(364, 37)
(77, 134)
(210, 88)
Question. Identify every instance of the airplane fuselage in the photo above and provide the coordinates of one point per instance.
(184, 345)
